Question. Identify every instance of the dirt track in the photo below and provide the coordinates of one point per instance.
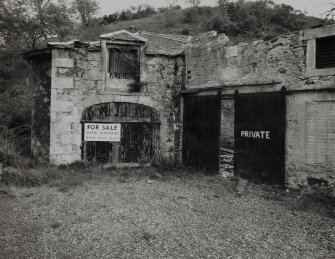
(188, 217)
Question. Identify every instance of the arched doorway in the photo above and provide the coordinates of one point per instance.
(140, 134)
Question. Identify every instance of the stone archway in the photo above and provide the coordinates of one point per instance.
(140, 133)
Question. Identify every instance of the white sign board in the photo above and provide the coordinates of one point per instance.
(102, 132)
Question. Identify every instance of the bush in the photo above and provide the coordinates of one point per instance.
(14, 149)
(15, 109)
(22, 178)
(191, 15)
(107, 19)
(217, 23)
(90, 33)
(185, 31)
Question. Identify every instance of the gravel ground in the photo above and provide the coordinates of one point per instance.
(194, 216)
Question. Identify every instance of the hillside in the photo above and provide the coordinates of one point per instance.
(241, 25)
(158, 23)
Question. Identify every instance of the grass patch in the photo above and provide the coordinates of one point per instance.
(29, 177)
(8, 191)
(318, 199)
(323, 206)
(63, 177)
(69, 182)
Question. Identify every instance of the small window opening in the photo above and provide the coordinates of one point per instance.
(325, 52)
(123, 63)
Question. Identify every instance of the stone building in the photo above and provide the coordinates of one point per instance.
(77, 81)
(264, 109)
(292, 79)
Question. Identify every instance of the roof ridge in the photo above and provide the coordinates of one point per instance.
(115, 33)
(165, 36)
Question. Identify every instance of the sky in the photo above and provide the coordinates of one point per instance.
(313, 7)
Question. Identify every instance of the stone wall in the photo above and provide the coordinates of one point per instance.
(78, 81)
(310, 138)
(263, 66)
(227, 137)
(217, 63)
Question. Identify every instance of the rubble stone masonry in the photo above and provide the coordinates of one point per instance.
(79, 81)
(260, 66)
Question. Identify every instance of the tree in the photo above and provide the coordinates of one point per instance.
(27, 21)
(194, 3)
(168, 12)
(17, 23)
(330, 13)
(58, 19)
(222, 6)
(107, 19)
(86, 10)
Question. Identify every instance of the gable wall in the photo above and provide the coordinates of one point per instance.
(78, 81)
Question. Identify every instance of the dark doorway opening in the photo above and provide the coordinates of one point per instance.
(140, 134)
(260, 137)
(201, 135)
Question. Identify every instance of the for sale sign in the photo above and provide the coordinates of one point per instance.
(106, 132)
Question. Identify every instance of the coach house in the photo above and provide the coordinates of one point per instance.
(264, 110)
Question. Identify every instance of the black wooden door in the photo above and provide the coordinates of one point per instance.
(260, 137)
(201, 135)
(140, 134)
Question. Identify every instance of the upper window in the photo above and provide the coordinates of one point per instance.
(320, 55)
(124, 63)
(325, 52)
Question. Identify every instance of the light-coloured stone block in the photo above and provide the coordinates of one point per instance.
(94, 75)
(141, 99)
(62, 82)
(68, 118)
(63, 62)
(61, 149)
(117, 98)
(231, 51)
(229, 74)
(83, 84)
(74, 138)
(131, 99)
(62, 106)
(65, 159)
(94, 56)
(60, 127)
(120, 84)
(319, 32)
(310, 55)
(93, 64)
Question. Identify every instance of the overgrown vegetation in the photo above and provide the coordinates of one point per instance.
(254, 19)
(134, 12)
(15, 110)
(64, 177)
(241, 20)
(27, 24)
